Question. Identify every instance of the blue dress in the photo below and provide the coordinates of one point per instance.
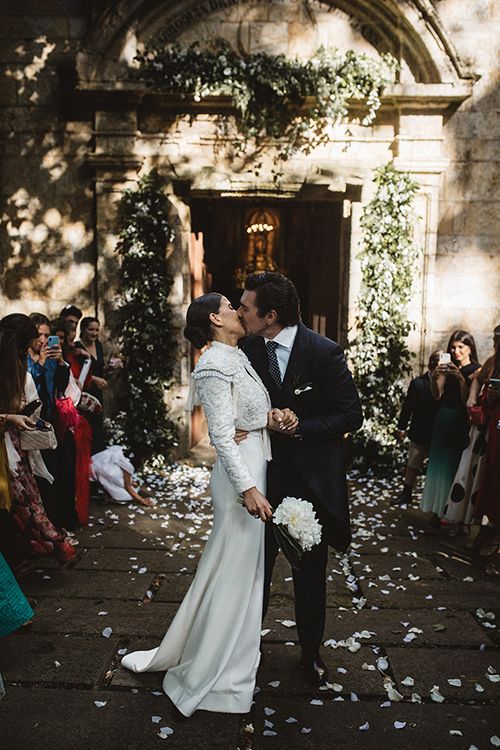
(14, 607)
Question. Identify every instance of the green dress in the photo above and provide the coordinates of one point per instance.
(445, 451)
(14, 607)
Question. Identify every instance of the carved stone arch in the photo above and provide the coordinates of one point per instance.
(410, 29)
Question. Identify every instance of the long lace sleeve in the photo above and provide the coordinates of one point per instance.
(214, 393)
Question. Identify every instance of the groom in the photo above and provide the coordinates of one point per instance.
(308, 374)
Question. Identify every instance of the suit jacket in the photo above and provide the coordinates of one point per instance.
(421, 407)
(319, 388)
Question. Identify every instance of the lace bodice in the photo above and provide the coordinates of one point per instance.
(233, 397)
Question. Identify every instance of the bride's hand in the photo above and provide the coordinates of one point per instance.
(240, 435)
(275, 419)
(290, 421)
(256, 504)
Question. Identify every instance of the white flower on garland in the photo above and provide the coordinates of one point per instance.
(299, 519)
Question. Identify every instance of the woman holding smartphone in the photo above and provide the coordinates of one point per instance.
(37, 535)
(89, 343)
(450, 384)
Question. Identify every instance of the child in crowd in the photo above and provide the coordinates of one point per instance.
(419, 408)
(113, 471)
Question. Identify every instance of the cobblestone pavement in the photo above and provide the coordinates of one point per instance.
(411, 637)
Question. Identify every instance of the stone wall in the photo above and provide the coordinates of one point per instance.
(50, 247)
(47, 256)
(467, 282)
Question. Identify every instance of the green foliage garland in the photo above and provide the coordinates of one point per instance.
(143, 321)
(275, 96)
(380, 356)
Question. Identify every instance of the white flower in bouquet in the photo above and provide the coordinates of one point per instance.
(298, 517)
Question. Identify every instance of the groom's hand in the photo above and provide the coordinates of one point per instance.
(240, 435)
(256, 504)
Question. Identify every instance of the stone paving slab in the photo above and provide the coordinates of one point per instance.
(397, 567)
(424, 545)
(336, 595)
(124, 722)
(281, 662)
(450, 594)
(452, 628)
(173, 587)
(431, 667)
(156, 561)
(81, 616)
(31, 658)
(119, 537)
(87, 584)
(459, 565)
(336, 725)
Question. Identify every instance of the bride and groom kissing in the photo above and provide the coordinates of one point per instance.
(277, 411)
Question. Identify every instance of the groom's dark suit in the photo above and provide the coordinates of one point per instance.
(319, 388)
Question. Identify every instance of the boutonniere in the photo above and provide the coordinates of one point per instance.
(299, 388)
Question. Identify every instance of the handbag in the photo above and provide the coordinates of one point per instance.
(39, 439)
(477, 416)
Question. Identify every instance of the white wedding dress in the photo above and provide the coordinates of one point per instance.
(211, 650)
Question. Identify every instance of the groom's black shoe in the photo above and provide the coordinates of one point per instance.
(316, 671)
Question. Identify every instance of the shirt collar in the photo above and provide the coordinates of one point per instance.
(285, 337)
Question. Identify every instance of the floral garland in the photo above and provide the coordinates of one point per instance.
(293, 101)
(143, 321)
(380, 355)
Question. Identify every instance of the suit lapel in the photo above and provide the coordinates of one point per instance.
(299, 348)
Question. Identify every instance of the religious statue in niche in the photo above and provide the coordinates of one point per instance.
(261, 243)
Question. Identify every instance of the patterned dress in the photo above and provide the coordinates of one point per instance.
(41, 537)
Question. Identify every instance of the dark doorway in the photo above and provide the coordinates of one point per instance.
(301, 238)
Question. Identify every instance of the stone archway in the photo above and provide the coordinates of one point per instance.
(136, 130)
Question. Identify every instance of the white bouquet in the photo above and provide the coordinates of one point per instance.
(296, 528)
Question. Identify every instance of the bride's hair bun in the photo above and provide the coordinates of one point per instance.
(198, 328)
(196, 335)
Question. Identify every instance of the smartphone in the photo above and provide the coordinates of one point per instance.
(52, 341)
(41, 425)
(444, 358)
(28, 410)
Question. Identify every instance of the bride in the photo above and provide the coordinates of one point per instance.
(211, 650)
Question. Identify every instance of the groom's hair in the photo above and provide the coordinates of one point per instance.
(274, 291)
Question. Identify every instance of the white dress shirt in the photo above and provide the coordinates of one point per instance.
(284, 339)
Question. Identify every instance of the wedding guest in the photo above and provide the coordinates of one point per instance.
(460, 508)
(17, 388)
(419, 408)
(15, 610)
(72, 314)
(51, 375)
(487, 503)
(90, 344)
(46, 366)
(74, 432)
(64, 458)
(450, 387)
(113, 471)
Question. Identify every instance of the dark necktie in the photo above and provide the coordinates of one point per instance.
(274, 368)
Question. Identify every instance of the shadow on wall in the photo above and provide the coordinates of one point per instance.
(467, 260)
(46, 243)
